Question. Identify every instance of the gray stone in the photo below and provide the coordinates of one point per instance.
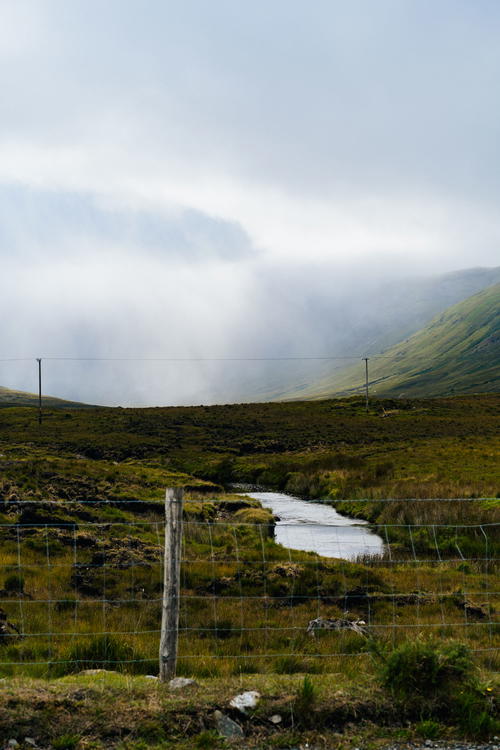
(182, 682)
(13, 744)
(275, 719)
(29, 741)
(227, 727)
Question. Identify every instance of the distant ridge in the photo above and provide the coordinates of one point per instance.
(9, 397)
(458, 352)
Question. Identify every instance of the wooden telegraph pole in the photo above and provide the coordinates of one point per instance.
(171, 582)
(39, 360)
(366, 382)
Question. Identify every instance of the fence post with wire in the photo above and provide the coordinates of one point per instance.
(208, 583)
(171, 583)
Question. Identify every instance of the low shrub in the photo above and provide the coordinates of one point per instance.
(427, 669)
(14, 583)
(438, 681)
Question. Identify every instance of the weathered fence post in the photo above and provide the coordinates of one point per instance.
(171, 582)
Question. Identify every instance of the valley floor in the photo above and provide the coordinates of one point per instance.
(81, 525)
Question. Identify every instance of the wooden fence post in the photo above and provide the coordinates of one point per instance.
(171, 582)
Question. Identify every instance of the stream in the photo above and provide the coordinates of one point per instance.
(316, 527)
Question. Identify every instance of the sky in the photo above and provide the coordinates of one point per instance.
(195, 179)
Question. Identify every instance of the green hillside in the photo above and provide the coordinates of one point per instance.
(458, 352)
(9, 397)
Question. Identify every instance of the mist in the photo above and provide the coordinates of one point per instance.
(221, 181)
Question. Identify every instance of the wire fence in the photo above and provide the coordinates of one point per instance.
(82, 594)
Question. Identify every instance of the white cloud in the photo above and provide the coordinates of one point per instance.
(22, 28)
(184, 168)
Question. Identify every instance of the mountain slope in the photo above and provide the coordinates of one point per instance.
(359, 316)
(10, 397)
(458, 352)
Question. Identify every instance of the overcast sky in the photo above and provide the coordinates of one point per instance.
(183, 178)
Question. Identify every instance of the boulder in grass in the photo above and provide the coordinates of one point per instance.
(227, 727)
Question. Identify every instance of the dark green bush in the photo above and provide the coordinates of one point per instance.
(428, 669)
(14, 583)
(435, 680)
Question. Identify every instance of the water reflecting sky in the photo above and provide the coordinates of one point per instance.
(318, 528)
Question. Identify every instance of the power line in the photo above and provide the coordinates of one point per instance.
(198, 359)
(296, 358)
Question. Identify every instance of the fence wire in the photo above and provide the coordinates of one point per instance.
(87, 595)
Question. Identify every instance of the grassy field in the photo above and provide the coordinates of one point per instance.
(81, 513)
(428, 448)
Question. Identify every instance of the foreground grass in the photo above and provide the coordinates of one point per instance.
(107, 710)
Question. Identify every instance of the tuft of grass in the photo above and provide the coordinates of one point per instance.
(99, 652)
(289, 665)
(475, 713)
(304, 701)
(429, 729)
(207, 740)
(66, 742)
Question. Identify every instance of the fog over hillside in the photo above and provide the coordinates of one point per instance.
(205, 180)
(356, 317)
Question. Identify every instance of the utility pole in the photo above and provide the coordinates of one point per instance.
(39, 360)
(366, 382)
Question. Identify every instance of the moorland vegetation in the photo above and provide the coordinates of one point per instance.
(81, 513)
